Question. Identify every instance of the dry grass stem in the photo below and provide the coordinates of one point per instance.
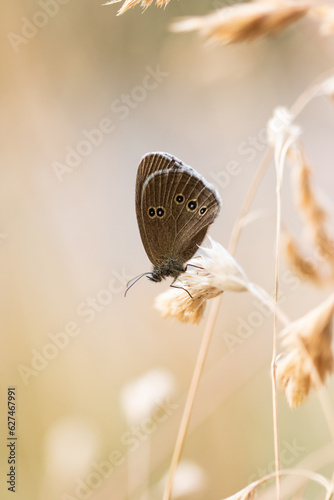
(282, 134)
(245, 494)
(208, 332)
(326, 87)
(310, 358)
(248, 493)
(244, 21)
(323, 85)
(279, 175)
(245, 207)
(128, 4)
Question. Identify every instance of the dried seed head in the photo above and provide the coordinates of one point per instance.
(294, 378)
(280, 123)
(208, 275)
(226, 273)
(302, 266)
(325, 244)
(310, 206)
(177, 303)
(141, 396)
(128, 4)
(189, 480)
(325, 15)
(244, 21)
(282, 134)
(305, 195)
(310, 358)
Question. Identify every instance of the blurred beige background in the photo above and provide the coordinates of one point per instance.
(69, 242)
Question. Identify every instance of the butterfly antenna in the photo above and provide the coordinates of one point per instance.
(133, 281)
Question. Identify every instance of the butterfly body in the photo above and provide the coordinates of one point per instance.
(175, 207)
(170, 267)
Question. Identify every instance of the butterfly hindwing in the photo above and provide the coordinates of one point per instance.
(174, 206)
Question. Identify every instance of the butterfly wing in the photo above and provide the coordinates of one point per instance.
(174, 207)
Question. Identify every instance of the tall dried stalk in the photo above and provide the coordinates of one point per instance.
(208, 332)
(282, 136)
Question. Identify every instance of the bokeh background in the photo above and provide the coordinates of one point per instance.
(69, 243)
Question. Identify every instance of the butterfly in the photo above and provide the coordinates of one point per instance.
(175, 206)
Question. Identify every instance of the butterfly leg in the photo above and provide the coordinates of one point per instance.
(181, 287)
(192, 265)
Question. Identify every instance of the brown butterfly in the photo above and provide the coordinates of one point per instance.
(175, 207)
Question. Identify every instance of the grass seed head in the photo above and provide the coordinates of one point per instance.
(244, 21)
(207, 275)
(310, 357)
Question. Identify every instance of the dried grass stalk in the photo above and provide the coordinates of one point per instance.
(244, 21)
(245, 494)
(248, 493)
(326, 87)
(310, 358)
